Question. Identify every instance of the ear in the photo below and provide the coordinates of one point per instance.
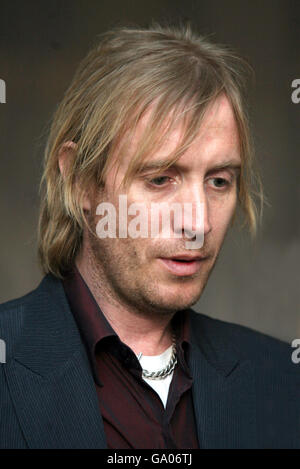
(65, 156)
(66, 153)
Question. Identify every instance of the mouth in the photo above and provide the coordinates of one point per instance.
(183, 265)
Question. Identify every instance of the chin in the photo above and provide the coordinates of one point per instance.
(179, 299)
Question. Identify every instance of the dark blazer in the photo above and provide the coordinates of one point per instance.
(246, 389)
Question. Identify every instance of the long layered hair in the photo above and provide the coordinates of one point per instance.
(173, 72)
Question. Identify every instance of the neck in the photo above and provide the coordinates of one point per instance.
(146, 334)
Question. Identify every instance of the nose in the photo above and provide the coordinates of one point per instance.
(196, 217)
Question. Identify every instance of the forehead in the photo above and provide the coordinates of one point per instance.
(215, 139)
(219, 120)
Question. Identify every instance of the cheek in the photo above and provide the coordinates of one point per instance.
(131, 251)
(222, 213)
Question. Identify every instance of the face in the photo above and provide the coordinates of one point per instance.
(160, 275)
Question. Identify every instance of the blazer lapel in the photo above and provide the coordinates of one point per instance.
(223, 391)
(49, 377)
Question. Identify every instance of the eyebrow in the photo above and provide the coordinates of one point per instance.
(231, 164)
(155, 165)
(159, 164)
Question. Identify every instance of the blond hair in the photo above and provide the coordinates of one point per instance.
(179, 75)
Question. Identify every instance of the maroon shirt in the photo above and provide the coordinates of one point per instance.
(133, 414)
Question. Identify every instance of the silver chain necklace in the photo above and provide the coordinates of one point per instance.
(167, 370)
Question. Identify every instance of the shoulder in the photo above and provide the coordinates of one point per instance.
(263, 350)
(14, 308)
(48, 286)
(14, 313)
(11, 319)
(264, 369)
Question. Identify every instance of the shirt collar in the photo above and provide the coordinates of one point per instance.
(94, 327)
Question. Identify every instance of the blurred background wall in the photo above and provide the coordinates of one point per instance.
(41, 44)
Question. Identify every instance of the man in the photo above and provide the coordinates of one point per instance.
(106, 352)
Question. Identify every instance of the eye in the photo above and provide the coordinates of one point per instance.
(159, 180)
(219, 182)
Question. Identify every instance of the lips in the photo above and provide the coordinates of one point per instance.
(185, 257)
(183, 265)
